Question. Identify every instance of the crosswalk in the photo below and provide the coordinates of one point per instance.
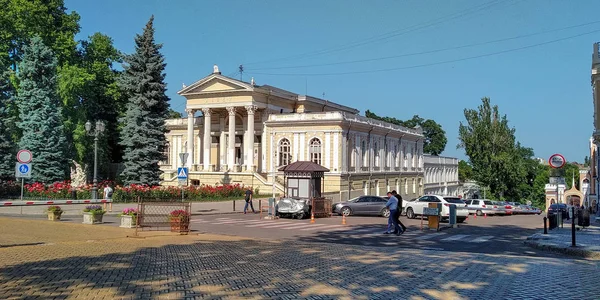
(346, 232)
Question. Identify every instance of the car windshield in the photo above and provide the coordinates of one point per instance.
(354, 200)
(488, 202)
(454, 200)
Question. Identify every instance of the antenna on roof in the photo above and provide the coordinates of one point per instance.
(241, 69)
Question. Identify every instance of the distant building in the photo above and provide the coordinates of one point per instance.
(441, 175)
(595, 140)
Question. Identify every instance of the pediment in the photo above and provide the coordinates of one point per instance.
(215, 83)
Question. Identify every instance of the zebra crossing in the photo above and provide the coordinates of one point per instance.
(268, 224)
(346, 232)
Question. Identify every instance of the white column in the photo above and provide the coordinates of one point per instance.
(231, 142)
(272, 154)
(263, 141)
(190, 138)
(207, 138)
(222, 149)
(295, 144)
(327, 162)
(250, 147)
(336, 151)
(302, 147)
(345, 152)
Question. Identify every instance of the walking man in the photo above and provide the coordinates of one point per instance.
(249, 200)
(399, 211)
(392, 205)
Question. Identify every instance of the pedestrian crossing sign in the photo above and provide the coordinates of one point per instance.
(182, 173)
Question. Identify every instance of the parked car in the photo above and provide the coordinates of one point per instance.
(480, 207)
(499, 208)
(535, 210)
(293, 208)
(508, 208)
(363, 205)
(555, 208)
(415, 208)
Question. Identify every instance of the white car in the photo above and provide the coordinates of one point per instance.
(415, 208)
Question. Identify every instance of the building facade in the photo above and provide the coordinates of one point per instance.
(247, 132)
(441, 175)
(594, 184)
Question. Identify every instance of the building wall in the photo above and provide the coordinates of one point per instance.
(441, 175)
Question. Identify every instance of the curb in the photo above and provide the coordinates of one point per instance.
(578, 251)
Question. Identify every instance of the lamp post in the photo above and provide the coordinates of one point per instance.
(95, 132)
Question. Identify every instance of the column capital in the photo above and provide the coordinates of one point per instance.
(251, 109)
(190, 112)
(206, 112)
(231, 110)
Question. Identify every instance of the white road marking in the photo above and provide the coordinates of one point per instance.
(266, 224)
(455, 237)
(430, 236)
(482, 239)
(322, 227)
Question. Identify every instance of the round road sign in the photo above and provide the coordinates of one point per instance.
(557, 161)
(24, 156)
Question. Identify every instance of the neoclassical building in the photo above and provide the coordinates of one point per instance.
(247, 132)
(441, 175)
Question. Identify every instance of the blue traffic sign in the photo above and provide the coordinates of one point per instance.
(182, 173)
(23, 170)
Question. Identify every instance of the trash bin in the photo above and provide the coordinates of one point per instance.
(74, 194)
(552, 221)
(585, 216)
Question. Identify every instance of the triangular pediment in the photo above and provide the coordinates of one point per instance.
(215, 83)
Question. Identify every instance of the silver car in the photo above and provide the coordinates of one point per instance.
(363, 205)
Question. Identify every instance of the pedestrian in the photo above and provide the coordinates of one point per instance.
(108, 192)
(248, 199)
(392, 205)
(399, 211)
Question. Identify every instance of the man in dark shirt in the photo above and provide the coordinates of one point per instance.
(399, 211)
(249, 200)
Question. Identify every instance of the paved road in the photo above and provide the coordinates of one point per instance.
(492, 235)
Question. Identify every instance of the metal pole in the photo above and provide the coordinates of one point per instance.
(545, 225)
(22, 183)
(573, 244)
(558, 212)
(95, 185)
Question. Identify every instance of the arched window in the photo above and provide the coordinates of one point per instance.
(363, 149)
(376, 153)
(405, 185)
(167, 154)
(285, 157)
(397, 157)
(314, 150)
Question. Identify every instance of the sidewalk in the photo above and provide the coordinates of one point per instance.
(198, 208)
(559, 240)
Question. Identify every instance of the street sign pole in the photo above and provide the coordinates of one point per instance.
(22, 183)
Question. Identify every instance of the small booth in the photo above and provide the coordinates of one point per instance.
(305, 180)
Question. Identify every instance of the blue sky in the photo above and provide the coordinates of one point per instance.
(544, 90)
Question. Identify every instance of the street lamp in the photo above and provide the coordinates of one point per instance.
(95, 132)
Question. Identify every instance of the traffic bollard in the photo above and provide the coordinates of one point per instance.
(573, 244)
(545, 225)
(233, 205)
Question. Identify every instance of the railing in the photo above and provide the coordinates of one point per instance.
(157, 213)
(321, 207)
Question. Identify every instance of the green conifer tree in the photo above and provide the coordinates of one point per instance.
(7, 151)
(143, 134)
(40, 113)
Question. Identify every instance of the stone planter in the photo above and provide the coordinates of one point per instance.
(89, 218)
(128, 221)
(180, 225)
(54, 215)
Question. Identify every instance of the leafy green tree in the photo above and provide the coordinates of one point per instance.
(435, 136)
(586, 161)
(41, 112)
(7, 150)
(490, 145)
(143, 134)
(173, 114)
(465, 171)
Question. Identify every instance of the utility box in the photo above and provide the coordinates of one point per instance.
(452, 216)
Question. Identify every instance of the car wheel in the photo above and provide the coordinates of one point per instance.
(346, 211)
(410, 213)
(300, 216)
(385, 212)
(479, 213)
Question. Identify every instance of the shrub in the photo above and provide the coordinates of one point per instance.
(55, 209)
(94, 209)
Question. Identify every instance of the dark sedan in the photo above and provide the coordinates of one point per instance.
(554, 208)
(363, 205)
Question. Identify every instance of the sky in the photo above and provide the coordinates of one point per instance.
(532, 58)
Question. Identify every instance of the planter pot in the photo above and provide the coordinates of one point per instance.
(54, 216)
(180, 225)
(128, 221)
(89, 218)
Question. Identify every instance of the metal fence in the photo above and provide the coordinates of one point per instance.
(156, 214)
(321, 207)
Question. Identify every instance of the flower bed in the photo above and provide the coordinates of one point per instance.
(63, 190)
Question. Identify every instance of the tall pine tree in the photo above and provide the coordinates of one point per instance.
(143, 135)
(7, 158)
(40, 112)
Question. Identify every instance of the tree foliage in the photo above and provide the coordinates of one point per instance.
(7, 150)
(143, 134)
(465, 171)
(41, 112)
(435, 136)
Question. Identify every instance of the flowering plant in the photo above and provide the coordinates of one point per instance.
(179, 214)
(55, 209)
(94, 209)
(129, 212)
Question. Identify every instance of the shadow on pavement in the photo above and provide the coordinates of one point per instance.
(277, 270)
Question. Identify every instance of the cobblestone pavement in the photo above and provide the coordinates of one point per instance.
(587, 241)
(98, 263)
